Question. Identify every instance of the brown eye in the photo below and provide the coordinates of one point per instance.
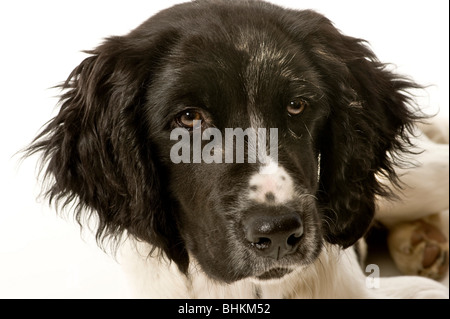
(187, 118)
(296, 107)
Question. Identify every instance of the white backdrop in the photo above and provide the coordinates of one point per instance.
(41, 255)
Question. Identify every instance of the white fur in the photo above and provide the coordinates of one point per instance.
(271, 179)
(426, 185)
(335, 274)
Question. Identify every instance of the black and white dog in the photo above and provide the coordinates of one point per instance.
(280, 227)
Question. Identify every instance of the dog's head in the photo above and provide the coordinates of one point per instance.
(339, 114)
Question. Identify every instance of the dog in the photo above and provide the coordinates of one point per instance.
(286, 226)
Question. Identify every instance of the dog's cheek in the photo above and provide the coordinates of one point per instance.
(212, 251)
(200, 228)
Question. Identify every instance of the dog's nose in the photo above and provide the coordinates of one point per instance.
(273, 234)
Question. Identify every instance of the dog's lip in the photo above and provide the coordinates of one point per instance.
(274, 273)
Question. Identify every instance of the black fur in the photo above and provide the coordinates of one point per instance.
(107, 149)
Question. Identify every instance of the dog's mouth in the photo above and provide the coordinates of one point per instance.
(275, 273)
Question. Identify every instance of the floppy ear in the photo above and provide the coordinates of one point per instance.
(367, 128)
(97, 149)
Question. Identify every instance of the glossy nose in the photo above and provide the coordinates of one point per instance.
(273, 234)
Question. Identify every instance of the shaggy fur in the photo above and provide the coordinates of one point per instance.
(236, 63)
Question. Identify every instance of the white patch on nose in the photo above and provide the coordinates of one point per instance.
(271, 185)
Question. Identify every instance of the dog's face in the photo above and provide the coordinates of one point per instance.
(260, 81)
(225, 66)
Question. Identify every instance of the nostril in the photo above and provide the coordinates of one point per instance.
(294, 239)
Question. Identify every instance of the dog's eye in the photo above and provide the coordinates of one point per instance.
(296, 107)
(187, 118)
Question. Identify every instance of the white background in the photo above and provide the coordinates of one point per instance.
(41, 255)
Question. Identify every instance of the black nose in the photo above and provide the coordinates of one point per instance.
(273, 233)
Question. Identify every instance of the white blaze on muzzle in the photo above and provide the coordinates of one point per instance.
(271, 184)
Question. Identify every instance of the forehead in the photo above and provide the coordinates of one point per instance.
(243, 71)
(244, 53)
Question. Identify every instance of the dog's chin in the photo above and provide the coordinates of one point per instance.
(274, 273)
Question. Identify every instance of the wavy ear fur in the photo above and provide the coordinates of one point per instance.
(97, 148)
(369, 123)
